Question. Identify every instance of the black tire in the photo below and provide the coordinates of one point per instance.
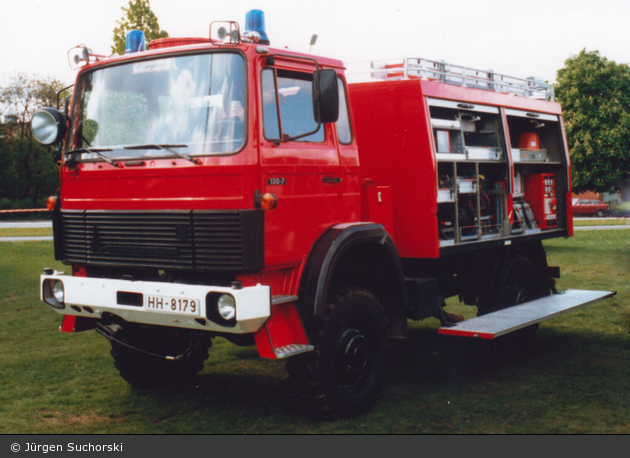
(143, 370)
(345, 373)
(600, 213)
(519, 283)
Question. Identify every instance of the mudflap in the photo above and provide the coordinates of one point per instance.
(72, 323)
(283, 334)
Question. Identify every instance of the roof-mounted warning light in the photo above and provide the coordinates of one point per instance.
(135, 41)
(227, 33)
(255, 27)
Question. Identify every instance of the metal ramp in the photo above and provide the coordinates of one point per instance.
(520, 316)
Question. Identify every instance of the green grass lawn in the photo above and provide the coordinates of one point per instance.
(602, 222)
(572, 379)
(26, 231)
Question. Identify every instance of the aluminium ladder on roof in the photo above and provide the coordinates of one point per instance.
(417, 67)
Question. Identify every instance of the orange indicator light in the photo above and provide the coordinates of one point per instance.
(268, 201)
(51, 203)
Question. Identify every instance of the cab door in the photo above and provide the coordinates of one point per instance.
(298, 165)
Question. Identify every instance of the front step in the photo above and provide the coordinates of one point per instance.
(520, 316)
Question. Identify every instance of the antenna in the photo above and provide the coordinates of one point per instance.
(313, 40)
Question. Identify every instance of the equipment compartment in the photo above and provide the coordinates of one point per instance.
(540, 178)
(463, 131)
(535, 137)
(479, 201)
(473, 153)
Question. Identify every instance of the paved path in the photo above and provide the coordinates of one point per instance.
(14, 224)
(599, 228)
(25, 224)
(26, 239)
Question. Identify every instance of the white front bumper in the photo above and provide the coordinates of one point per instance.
(93, 297)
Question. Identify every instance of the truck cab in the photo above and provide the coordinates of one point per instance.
(197, 175)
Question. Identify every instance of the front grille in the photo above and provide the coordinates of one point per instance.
(216, 241)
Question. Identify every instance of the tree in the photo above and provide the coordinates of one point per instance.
(138, 16)
(595, 97)
(27, 173)
(24, 95)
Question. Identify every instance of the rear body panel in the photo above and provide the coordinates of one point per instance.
(403, 129)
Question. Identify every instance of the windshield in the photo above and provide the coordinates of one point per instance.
(175, 106)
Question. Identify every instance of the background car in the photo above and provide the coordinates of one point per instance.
(589, 207)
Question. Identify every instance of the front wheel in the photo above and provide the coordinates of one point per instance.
(599, 213)
(346, 372)
(141, 354)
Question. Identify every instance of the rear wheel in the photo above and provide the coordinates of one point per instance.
(141, 355)
(344, 374)
(520, 282)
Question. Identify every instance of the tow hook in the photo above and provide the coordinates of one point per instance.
(108, 331)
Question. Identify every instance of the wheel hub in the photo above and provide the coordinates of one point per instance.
(522, 295)
(355, 359)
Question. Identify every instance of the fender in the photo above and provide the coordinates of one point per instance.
(326, 255)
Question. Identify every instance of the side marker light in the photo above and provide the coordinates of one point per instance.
(268, 201)
(51, 203)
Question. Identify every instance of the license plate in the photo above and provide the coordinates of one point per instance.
(169, 304)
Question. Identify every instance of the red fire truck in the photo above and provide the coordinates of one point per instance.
(221, 187)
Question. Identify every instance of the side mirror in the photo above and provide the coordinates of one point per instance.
(325, 96)
(48, 126)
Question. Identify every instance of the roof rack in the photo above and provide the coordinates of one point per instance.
(444, 72)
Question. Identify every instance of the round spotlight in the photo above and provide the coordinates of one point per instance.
(58, 291)
(226, 307)
(48, 126)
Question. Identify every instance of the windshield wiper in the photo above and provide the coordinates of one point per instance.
(98, 151)
(167, 148)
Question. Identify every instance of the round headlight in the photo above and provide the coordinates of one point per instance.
(58, 291)
(226, 307)
(48, 126)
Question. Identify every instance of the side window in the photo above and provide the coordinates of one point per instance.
(288, 106)
(270, 105)
(343, 124)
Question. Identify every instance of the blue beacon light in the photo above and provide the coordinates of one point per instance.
(135, 41)
(255, 22)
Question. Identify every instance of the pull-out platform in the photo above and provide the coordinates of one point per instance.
(511, 319)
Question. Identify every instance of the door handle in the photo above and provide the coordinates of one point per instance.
(331, 179)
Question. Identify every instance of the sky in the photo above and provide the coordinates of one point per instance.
(517, 38)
